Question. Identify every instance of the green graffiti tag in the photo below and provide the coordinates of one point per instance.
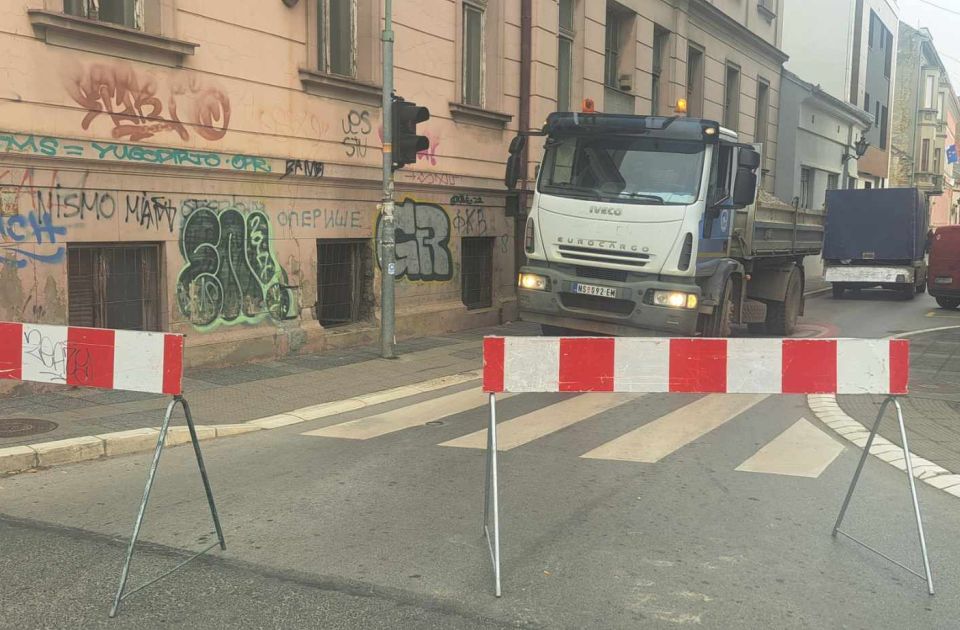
(231, 274)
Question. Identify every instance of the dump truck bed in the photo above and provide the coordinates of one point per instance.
(772, 228)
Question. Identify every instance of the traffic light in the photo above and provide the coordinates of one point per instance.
(406, 142)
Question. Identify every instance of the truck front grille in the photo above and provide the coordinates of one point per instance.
(592, 254)
(598, 273)
(597, 304)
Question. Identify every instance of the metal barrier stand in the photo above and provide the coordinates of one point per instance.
(913, 494)
(121, 595)
(491, 496)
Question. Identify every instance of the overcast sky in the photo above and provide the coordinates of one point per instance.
(944, 24)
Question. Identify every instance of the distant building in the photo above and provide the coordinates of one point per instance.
(926, 114)
(847, 48)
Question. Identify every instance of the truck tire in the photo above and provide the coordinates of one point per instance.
(782, 316)
(948, 302)
(908, 291)
(719, 324)
(838, 290)
(921, 288)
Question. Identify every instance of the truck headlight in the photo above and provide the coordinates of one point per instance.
(675, 299)
(534, 282)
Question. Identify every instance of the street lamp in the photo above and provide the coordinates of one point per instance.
(860, 149)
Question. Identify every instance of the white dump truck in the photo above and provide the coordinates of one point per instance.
(644, 225)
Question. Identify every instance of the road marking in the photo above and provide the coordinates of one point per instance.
(661, 437)
(802, 450)
(404, 417)
(537, 424)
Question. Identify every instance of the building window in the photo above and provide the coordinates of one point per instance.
(924, 155)
(695, 82)
(940, 98)
(341, 268)
(806, 187)
(661, 52)
(336, 37)
(114, 286)
(763, 107)
(472, 54)
(888, 55)
(611, 48)
(866, 102)
(929, 83)
(127, 13)
(833, 181)
(873, 22)
(867, 185)
(936, 160)
(883, 127)
(731, 99)
(476, 271)
(565, 56)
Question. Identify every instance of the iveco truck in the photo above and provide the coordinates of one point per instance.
(645, 225)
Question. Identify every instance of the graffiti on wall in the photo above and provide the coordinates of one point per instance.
(321, 218)
(356, 127)
(17, 231)
(423, 241)
(139, 107)
(307, 168)
(115, 152)
(231, 274)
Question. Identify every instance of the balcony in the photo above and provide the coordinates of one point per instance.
(929, 183)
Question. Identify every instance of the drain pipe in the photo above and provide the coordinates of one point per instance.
(526, 39)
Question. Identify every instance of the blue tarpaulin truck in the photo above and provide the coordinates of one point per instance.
(876, 237)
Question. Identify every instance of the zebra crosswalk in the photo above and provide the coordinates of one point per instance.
(802, 450)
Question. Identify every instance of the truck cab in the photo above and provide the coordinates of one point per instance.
(630, 228)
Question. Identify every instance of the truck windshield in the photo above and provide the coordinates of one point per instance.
(623, 169)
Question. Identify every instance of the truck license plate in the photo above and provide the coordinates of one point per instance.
(943, 280)
(592, 289)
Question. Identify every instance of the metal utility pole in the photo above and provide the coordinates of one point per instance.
(387, 231)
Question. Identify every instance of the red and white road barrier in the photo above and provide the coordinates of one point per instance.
(92, 357)
(742, 366)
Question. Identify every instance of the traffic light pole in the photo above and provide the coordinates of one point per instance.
(387, 233)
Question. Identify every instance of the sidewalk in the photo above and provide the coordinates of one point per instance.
(932, 411)
(240, 393)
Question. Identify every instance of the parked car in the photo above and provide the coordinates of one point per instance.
(944, 266)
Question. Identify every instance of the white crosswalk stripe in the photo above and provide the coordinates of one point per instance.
(655, 440)
(544, 421)
(802, 450)
(404, 417)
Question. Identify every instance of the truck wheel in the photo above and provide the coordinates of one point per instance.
(720, 323)
(838, 290)
(948, 302)
(908, 291)
(782, 316)
(921, 288)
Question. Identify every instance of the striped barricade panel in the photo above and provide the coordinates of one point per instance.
(743, 366)
(92, 357)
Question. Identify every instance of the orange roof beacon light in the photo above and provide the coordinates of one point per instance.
(681, 107)
(588, 106)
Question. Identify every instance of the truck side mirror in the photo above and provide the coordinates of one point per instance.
(515, 162)
(745, 188)
(748, 159)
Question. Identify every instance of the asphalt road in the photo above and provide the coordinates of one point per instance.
(379, 527)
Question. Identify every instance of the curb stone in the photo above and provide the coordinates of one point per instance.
(16, 459)
(826, 409)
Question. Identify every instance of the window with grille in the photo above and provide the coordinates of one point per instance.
(341, 271)
(123, 12)
(114, 286)
(336, 37)
(476, 271)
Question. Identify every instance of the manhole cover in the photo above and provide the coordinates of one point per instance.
(20, 427)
